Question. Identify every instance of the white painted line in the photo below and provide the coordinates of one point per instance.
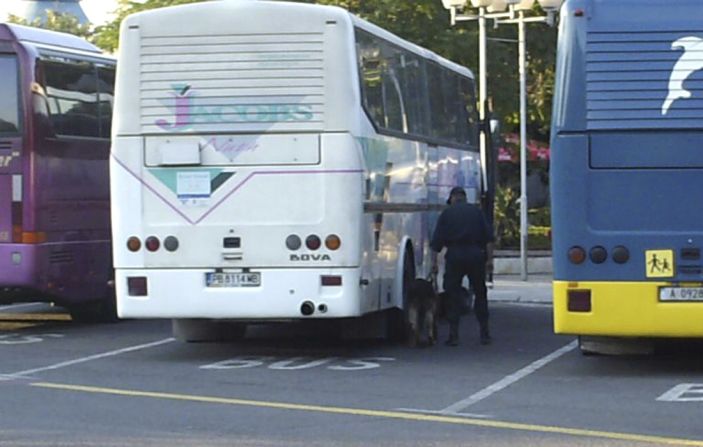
(22, 306)
(508, 380)
(23, 374)
(685, 392)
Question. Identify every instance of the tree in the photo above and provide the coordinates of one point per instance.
(426, 23)
(65, 23)
(107, 36)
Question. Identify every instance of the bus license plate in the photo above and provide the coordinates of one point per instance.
(250, 279)
(681, 294)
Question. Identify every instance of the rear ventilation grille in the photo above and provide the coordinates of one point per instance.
(644, 79)
(5, 145)
(60, 257)
(232, 83)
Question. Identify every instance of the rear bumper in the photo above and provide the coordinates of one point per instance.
(183, 294)
(626, 309)
(18, 265)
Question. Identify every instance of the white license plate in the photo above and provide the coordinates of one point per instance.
(681, 294)
(249, 279)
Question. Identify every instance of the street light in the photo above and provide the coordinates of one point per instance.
(494, 9)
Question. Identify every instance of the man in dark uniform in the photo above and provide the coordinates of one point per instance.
(463, 230)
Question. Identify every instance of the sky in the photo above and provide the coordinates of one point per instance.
(98, 11)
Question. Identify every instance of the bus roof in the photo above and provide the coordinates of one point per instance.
(39, 36)
(329, 11)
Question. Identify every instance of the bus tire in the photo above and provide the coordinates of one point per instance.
(102, 311)
(195, 330)
(397, 319)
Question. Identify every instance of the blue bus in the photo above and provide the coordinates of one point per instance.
(627, 169)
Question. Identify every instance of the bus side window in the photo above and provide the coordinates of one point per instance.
(106, 98)
(468, 131)
(72, 92)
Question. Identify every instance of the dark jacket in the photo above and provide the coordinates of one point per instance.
(463, 229)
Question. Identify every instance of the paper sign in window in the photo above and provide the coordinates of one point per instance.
(193, 185)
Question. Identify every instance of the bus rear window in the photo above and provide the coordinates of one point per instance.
(9, 95)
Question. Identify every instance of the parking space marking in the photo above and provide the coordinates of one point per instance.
(20, 306)
(505, 382)
(23, 374)
(685, 392)
(397, 415)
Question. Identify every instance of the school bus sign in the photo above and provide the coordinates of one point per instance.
(660, 263)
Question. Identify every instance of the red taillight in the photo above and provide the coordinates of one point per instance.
(313, 242)
(331, 280)
(577, 255)
(578, 300)
(134, 244)
(137, 286)
(152, 243)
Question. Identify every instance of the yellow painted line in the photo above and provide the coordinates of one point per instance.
(399, 415)
(10, 326)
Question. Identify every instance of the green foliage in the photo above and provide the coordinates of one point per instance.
(426, 23)
(107, 36)
(507, 218)
(65, 23)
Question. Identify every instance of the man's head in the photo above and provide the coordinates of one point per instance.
(456, 195)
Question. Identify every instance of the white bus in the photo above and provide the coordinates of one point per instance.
(279, 161)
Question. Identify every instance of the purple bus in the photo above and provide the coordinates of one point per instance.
(56, 96)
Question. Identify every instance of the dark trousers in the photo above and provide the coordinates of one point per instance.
(454, 273)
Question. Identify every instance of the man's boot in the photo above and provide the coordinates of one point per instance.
(484, 334)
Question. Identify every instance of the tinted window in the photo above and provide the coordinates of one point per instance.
(106, 87)
(468, 99)
(72, 92)
(405, 93)
(9, 95)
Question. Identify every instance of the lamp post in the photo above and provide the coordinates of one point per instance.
(508, 12)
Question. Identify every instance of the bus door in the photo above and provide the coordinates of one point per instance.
(10, 143)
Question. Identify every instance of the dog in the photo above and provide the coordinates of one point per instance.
(422, 313)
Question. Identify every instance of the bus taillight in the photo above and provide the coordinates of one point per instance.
(579, 300)
(152, 243)
(134, 244)
(333, 242)
(293, 242)
(621, 254)
(331, 280)
(577, 255)
(137, 286)
(313, 242)
(598, 254)
(171, 243)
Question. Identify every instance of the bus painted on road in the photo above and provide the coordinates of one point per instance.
(56, 94)
(627, 169)
(279, 161)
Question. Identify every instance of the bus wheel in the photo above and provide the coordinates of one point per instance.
(397, 319)
(103, 311)
(193, 330)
